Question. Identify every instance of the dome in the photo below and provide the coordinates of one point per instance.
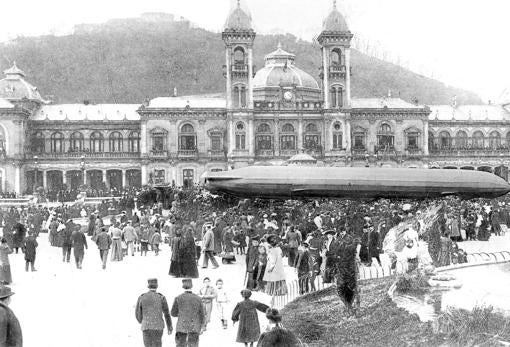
(302, 159)
(238, 20)
(335, 21)
(14, 86)
(280, 71)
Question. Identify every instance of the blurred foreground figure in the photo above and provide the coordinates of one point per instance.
(10, 330)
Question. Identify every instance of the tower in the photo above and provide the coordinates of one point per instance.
(335, 41)
(238, 36)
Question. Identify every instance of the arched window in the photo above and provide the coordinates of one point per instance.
(187, 138)
(312, 138)
(239, 56)
(337, 136)
(239, 96)
(478, 140)
(240, 137)
(57, 142)
(287, 138)
(96, 142)
(38, 142)
(385, 137)
(158, 139)
(264, 138)
(461, 140)
(115, 142)
(432, 142)
(76, 142)
(134, 142)
(337, 97)
(336, 57)
(445, 140)
(494, 140)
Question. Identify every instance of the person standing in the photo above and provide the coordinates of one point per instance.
(66, 241)
(274, 275)
(221, 302)
(187, 252)
(5, 265)
(10, 329)
(29, 247)
(189, 310)
(175, 258)
(208, 294)
(130, 237)
(79, 243)
(208, 248)
(104, 241)
(155, 241)
(19, 235)
(252, 258)
(245, 313)
(294, 240)
(304, 268)
(151, 308)
(144, 239)
(116, 235)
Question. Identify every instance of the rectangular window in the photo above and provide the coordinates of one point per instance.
(240, 141)
(337, 141)
(188, 178)
(264, 142)
(412, 141)
(158, 142)
(359, 141)
(288, 142)
(216, 143)
(188, 143)
(159, 177)
(312, 142)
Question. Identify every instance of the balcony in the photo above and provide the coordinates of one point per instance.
(265, 153)
(217, 154)
(469, 152)
(189, 154)
(88, 155)
(158, 154)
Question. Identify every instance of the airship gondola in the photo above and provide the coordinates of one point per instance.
(292, 182)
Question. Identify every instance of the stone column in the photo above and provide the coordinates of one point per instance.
(144, 140)
(347, 94)
(250, 78)
(84, 176)
(425, 138)
(347, 136)
(325, 66)
(276, 132)
(17, 180)
(45, 179)
(104, 177)
(300, 135)
(144, 175)
(124, 181)
(229, 81)
(251, 138)
(231, 137)
(64, 177)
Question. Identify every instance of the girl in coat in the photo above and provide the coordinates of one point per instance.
(5, 266)
(245, 313)
(275, 275)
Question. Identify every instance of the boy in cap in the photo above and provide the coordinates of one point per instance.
(151, 308)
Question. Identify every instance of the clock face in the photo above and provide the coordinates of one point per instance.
(288, 96)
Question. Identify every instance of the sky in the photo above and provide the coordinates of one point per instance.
(463, 43)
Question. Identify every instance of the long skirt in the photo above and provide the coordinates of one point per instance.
(276, 288)
(5, 274)
(116, 250)
(175, 268)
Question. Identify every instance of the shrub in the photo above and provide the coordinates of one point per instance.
(415, 281)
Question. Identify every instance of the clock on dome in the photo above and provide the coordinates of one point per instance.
(288, 96)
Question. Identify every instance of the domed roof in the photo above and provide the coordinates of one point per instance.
(335, 21)
(238, 19)
(281, 71)
(14, 86)
(302, 159)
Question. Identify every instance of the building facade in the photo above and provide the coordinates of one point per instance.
(262, 117)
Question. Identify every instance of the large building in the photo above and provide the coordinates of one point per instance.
(262, 117)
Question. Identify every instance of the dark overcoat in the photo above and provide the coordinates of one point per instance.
(10, 329)
(30, 248)
(246, 313)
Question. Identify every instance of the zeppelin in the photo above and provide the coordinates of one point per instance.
(289, 182)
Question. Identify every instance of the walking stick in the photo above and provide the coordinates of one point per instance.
(245, 279)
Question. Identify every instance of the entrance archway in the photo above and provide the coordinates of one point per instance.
(134, 178)
(55, 180)
(74, 179)
(95, 178)
(114, 178)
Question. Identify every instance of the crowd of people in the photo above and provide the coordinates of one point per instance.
(326, 238)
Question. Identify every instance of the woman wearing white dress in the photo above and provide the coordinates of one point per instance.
(274, 275)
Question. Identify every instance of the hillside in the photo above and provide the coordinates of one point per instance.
(131, 60)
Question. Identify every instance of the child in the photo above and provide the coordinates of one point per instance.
(144, 240)
(29, 247)
(208, 294)
(221, 301)
(155, 241)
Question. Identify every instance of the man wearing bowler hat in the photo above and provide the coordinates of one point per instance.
(189, 310)
(151, 308)
(10, 330)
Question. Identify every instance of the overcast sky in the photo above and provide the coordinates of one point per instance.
(464, 42)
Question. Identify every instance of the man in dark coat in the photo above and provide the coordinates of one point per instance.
(103, 241)
(79, 242)
(29, 247)
(304, 266)
(189, 310)
(19, 235)
(10, 329)
(252, 258)
(151, 308)
(66, 241)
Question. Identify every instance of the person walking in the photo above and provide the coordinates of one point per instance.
(221, 302)
(20, 232)
(66, 233)
(208, 294)
(252, 257)
(245, 313)
(5, 265)
(274, 275)
(79, 244)
(155, 241)
(189, 310)
(176, 258)
(116, 235)
(294, 240)
(10, 329)
(208, 248)
(103, 241)
(151, 308)
(130, 237)
(144, 239)
(30, 247)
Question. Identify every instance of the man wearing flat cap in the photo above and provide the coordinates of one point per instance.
(10, 329)
(151, 308)
(189, 310)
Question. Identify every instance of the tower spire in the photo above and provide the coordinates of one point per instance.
(238, 3)
(334, 4)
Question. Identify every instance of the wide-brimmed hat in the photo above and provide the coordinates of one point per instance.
(5, 292)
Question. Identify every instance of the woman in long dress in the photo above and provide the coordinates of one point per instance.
(187, 254)
(274, 275)
(5, 266)
(116, 235)
(175, 260)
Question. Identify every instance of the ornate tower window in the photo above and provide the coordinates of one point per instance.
(96, 142)
(336, 57)
(312, 138)
(385, 137)
(76, 142)
(38, 142)
(264, 138)
(57, 142)
(115, 142)
(134, 142)
(288, 138)
(239, 96)
(337, 136)
(187, 138)
(159, 139)
(240, 137)
(337, 96)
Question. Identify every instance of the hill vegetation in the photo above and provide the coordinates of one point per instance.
(128, 61)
